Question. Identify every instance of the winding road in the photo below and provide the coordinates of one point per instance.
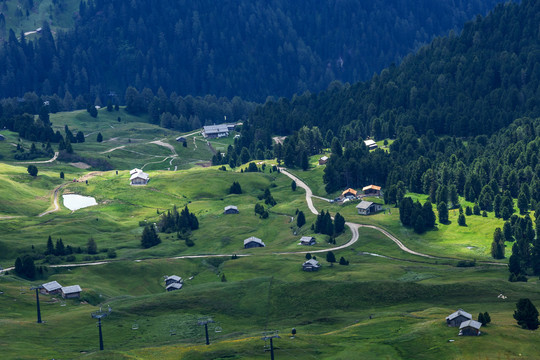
(353, 226)
(309, 194)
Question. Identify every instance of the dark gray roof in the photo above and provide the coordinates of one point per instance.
(471, 323)
(215, 129)
(254, 239)
(174, 286)
(457, 313)
(312, 262)
(364, 205)
(71, 289)
(52, 286)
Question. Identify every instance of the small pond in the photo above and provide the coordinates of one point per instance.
(75, 202)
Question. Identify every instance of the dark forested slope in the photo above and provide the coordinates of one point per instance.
(228, 48)
(463, 85)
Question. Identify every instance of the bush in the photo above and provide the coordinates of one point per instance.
(53, 260)
(111, 254)
(466, 263)
(189, 242)
(32, 170)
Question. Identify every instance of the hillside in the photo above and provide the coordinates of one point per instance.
(466, 85)
(198, 48)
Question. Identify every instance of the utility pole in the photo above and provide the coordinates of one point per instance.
(37, 288)
(98, 315)
(205, 322)
(269, 336)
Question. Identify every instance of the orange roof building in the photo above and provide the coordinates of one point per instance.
(349, 191)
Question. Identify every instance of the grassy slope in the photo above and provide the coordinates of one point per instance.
(407, 296)
(407, 311)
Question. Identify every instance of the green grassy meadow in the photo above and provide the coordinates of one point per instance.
(386, 304)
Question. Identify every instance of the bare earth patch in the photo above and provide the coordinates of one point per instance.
(80, 165)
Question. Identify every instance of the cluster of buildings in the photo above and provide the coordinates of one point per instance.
(173, 282)
(463, 320)
(68, 292)
(217, 131)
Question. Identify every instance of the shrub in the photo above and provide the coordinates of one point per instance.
(70, 258)
(466, 263)
(111, 254)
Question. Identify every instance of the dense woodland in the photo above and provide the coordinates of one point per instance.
(251, 49)
(466, 85)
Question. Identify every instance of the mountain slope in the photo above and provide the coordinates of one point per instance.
(463, 85)
(248, 48)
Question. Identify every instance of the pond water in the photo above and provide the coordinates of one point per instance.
(75, 202)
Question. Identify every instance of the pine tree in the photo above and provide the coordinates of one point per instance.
(461, 220)
(91, 246)
(300, 219)
(149, 237)
(339, 223)
(50, 247)
(331, 258)
(59, 249)
(497, 246)
(443, 212)
(428, 215)
(419, 225)
(508, 231)
(19, 266)
(99, 138)
(481, 319)
(293, 185)
(487, 318)
(526, 314)
(522, 203)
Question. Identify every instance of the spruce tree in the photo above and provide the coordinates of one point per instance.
(443, 212)
(293, 185)
(50, 247)
(339, 223)
(461, 220)
(497, 246)
(300, 219)
(59, 249)
(91, 246)
(331, 258)
(99, 138)
(526, 314)
(428, 215)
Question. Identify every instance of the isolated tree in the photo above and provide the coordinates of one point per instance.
(223, 278)
(308, 256)
(342, 261)
(32, 170)
(99, 138)
(293, 185)
(80, 137)
(300, 219)
(331, 258)
(526, 314)
(259, 209)
(443, 212)
(468, 211)
(91, 246)
(61, 174)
